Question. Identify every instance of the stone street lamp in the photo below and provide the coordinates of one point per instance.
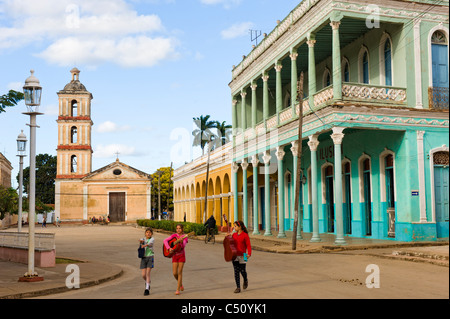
(21, 150)
(32, 94)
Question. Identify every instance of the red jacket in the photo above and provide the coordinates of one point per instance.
(242, 243)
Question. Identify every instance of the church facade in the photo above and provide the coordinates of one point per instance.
(117, 190)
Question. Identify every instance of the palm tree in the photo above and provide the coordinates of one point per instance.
(224, 132)
(202, 134)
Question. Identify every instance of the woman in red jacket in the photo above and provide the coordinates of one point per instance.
(244, 251)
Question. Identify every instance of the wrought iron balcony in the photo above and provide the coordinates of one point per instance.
(438, 98)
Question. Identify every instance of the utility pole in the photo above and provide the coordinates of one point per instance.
(299, 158)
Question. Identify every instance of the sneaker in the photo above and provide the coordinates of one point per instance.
(146, 292)
(177, 292)
(238, 290)
(182, 288)
(245, 285)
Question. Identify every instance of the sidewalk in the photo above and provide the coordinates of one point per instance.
(94, 272)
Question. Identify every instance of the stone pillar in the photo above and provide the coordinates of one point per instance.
(311, 70)
(337, 137)
(234, 116)
(266, 159)
(234, 169)
(244, 165)
(265, 78)
(254, 105)
(293, 56)
(337, 73)
(281, 214)
(313, 144)
(244, 111)
(255, 162)
(279, 91)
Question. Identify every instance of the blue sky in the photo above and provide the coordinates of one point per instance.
(151, 65)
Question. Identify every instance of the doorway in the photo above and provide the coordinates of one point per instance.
(117, 207)
(329, 197)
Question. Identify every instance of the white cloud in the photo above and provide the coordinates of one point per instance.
(109, 127)
(86, 32)
(226, 3)
(105, 151)
(237, 30)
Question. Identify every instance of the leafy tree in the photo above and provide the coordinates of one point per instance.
(10, 99)
(202, 134)
(8, 201)
(223, 131)
(166, 189)
(45, 178)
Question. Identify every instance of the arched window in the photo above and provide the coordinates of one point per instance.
(345, 71)
(73, 164)
(326, 78)
(74, 108)
(387, 63)
(365, 68)
(73, 135)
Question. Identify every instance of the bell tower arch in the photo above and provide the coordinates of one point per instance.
(74, 151)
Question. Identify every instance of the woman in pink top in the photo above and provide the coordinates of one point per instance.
(178, 259)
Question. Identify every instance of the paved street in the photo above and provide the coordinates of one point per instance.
(272, 276)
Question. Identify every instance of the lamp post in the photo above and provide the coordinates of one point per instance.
(21, 149)
(159, 193)
(32, 94)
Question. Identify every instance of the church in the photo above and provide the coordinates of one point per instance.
(117, 190)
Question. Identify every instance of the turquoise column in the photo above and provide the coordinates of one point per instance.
(311, 69)
(281, 214)
(337, 73)
(294, 150)
(234, 116)
(266, 159)
(255, 162)
(313, 144)
(293, 56)
(244, 166)
(244, 111)
(265, 78)
(337, 137)
(234, 169)
(254, 86)
(279, 91)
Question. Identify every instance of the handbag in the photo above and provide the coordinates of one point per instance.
(141, 252)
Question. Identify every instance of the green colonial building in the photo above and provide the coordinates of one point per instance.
(375, 133)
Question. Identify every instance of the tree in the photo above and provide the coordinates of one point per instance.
(10, 99)
(45, 178)
(223, 131)
(166, 189)
(202, 134)
(8, 201)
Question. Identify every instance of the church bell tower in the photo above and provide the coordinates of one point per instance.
(74, 150)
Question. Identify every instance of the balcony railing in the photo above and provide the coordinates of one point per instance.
(351, 92)
(438, 98)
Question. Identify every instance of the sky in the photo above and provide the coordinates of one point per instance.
(151, 66)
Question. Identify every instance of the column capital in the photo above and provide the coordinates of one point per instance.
(311, 43)
(293, 56)
(234, 167)
(234, 102)
(243, 94)
(253, 86)
(420, 135)
(294, 148)
(335, 24)
(267, 157)
(278, 67)
(313, 142)
(244, 164)
(265, 77)
(337, 135)
(255, 160)
(280, 153)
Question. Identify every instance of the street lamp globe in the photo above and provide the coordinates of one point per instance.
(21, 144)
(32, 93)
